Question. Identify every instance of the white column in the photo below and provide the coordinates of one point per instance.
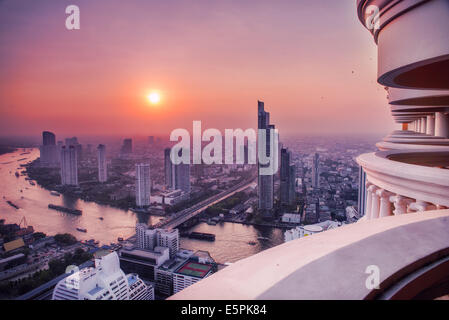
(442, 124)
(431, 125)
(418, 125)
(375, 203)
(400, 204)
(423, 125)
(385, 204)
(369, 195)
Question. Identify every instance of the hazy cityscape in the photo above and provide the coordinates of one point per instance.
(101, 194)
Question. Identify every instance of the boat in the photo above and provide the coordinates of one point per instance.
(17, 174)
(81, 230)
(120, 239)
(252, 243)
(201, 236)
(64, 209)
(12, 204)
(55, 193)
(101, 218)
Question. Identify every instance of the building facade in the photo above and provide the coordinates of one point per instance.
(265, 183)
(69, 166)
(102, 166)
(143, 185)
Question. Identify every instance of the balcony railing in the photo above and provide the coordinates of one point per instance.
(399, 182)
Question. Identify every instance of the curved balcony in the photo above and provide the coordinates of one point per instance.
(333, 264)
(399, 182)
(413, 42)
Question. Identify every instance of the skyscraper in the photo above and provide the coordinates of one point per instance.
(168, 168)
(49, 150)
(287, 177)
(48, 138)
(74, 142)
(177, 176)
(102, 166)
(69, 165)
(143, 184)
(265, 183)
(316, 171)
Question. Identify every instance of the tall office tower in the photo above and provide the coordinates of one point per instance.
(49, 150)
(69, 166)
(287, 177)
(168, 168)
(265, 183)
(176, 176)
(127, 147)
(105, 281)
(102, 166)
(48, 138)
(151, 139)
(143, 184)
(169, 239)
(74, 142)
(284, 190)
(181, 173)
(316, 171)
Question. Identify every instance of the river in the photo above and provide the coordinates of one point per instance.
(231, 244)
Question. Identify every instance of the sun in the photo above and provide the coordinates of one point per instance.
(154, 97)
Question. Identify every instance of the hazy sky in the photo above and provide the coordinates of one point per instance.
(311, 61)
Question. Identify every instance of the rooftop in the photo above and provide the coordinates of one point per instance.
(194, 269)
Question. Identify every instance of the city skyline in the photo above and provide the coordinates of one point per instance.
(211, 74)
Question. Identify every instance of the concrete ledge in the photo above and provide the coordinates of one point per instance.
(331, 265)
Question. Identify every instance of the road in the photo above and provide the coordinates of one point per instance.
(186, 214)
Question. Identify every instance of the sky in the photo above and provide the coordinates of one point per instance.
(311, 62)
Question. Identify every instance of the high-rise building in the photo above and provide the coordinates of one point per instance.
(49, 150)
(177, 176)
(265, 183)
(102, 166)
(169, 239)
(168, 168)
(148, 238)
(106, 281)
(69, 166)
(143, 184)
(287, 176)
(316, 171)
(48, 138)
(74, 142)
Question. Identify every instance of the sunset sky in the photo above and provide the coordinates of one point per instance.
(311, 61)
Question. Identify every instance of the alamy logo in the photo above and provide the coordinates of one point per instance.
(212, 153)
(72, 22)
(372, 20)
(373, 280)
